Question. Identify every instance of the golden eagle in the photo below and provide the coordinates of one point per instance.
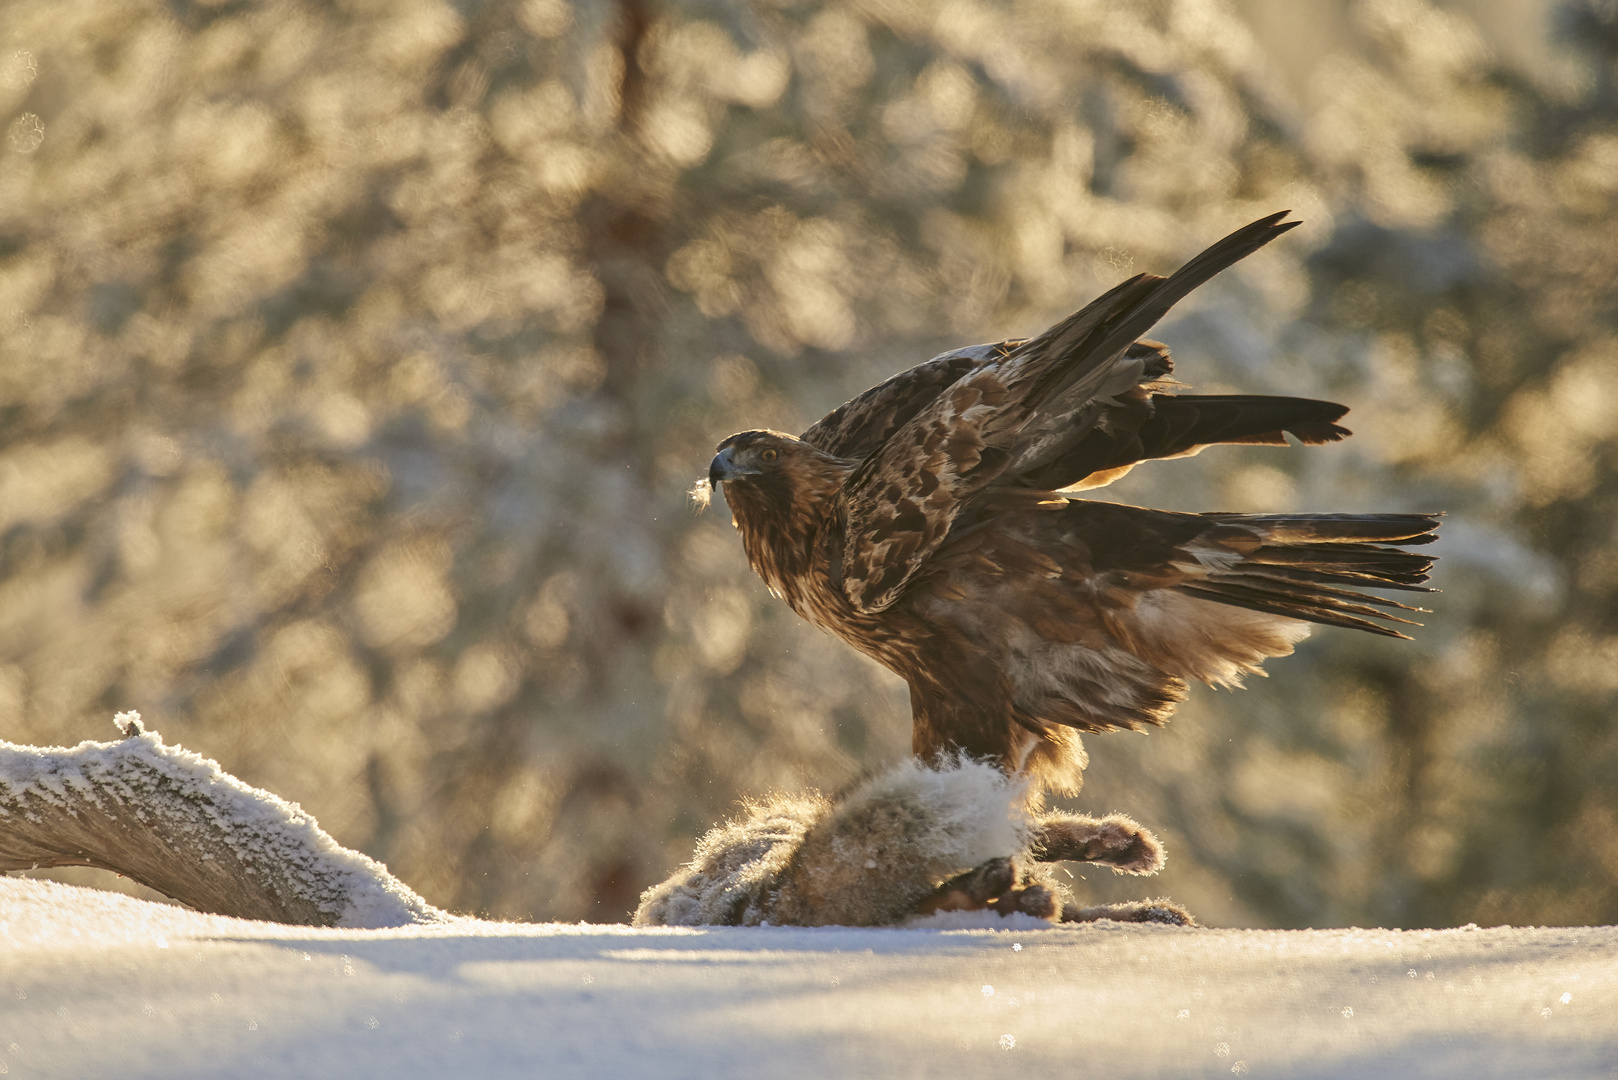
(930, 523)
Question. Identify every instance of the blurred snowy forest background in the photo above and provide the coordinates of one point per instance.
(355, 359)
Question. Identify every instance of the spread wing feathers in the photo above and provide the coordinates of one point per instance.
(856, 428)
(1095, 616)
(1162, 426)
(1301, 563)
(1014, 413)
(1068, 374)
(861, 425)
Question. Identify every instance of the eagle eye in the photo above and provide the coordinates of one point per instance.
(769, 455)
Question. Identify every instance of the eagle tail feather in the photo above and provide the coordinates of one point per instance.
(1336, 528)
(1290, 607)
(1348, 564)
(1325, 580)
(1305, 559)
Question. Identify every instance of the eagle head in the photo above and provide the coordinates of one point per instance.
(749, 453)
(756, 459)
(780, 491)
(771, 472)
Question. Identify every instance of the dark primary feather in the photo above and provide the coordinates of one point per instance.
(929, 523)
(1067, 364)
(1166, 426)
(1142, 428)
(1012, 414)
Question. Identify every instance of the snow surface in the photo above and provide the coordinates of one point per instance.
(94, 984)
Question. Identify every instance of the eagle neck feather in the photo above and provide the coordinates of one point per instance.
(781, 518)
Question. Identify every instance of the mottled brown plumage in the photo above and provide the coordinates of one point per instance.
(930, 523)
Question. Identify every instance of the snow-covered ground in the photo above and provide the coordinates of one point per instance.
(94, 984)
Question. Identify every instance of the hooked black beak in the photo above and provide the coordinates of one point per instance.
(724, 468)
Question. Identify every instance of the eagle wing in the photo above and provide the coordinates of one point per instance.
(1144, 426)
(855, 429)
(1095, 615)
(1018, 412)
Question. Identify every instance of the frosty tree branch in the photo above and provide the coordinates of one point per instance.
(176, 822)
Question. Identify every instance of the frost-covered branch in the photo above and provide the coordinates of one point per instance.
(178, 823)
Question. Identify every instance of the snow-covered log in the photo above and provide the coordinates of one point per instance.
(178, 823)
